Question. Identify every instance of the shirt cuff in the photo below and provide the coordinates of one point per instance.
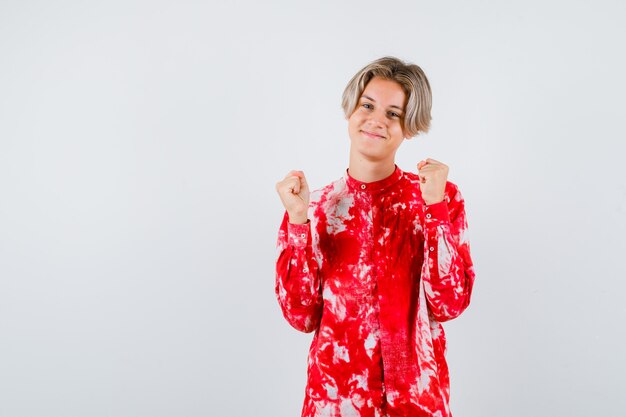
(437, 213)
(299, 234)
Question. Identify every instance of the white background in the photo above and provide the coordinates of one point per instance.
(140, 143)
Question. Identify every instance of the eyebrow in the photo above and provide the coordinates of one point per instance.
(371, 99)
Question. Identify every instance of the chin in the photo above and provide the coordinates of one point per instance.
(370, 154)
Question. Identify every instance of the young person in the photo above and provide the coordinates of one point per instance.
(374, 262)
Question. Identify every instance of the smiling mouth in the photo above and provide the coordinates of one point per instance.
(372, 135)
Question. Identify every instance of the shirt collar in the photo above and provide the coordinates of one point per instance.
(376, 185)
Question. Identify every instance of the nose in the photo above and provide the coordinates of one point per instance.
(378, 118)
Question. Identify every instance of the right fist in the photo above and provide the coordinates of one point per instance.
(294, 193)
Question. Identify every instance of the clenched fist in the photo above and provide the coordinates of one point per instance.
(294, 193)
(433, 176)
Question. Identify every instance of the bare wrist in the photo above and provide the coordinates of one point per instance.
(298, 219)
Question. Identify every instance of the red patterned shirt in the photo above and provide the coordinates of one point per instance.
(374, 273)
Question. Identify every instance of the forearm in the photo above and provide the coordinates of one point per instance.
(448, 272)
(298, 287)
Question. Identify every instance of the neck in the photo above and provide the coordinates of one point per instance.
(365, 170)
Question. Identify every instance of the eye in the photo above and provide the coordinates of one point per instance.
(394, 115)
(367, 105)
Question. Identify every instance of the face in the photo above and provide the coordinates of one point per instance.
(375, 127)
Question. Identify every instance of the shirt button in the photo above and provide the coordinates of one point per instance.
(432, 249)
(428, 216)
(362, 186)
(302, 235)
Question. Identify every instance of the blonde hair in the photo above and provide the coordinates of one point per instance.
(413, 81)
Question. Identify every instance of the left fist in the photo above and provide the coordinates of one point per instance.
(433, 176)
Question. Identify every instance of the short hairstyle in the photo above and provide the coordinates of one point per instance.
(413, 81)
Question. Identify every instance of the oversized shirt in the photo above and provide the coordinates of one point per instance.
(373, 273)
